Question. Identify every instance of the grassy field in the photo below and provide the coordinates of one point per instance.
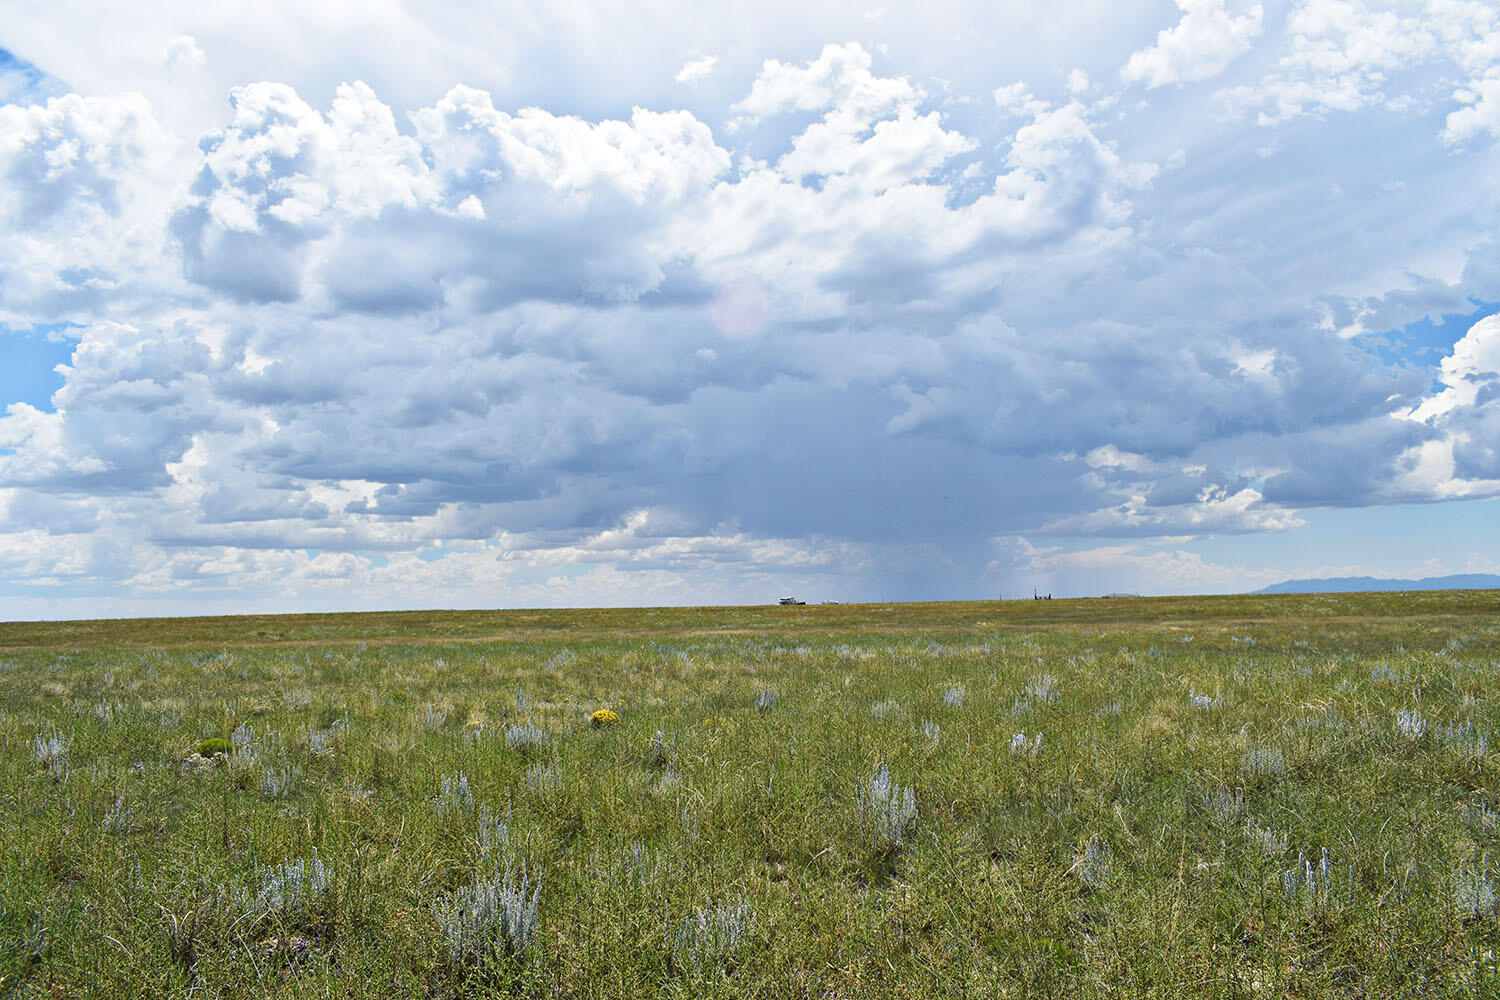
(1219, 797)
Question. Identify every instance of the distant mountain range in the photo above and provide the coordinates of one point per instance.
(1344, 584)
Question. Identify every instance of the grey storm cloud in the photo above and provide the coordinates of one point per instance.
(852, 319)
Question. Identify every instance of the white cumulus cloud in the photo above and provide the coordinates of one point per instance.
(1480, 110)
(183, 56)
(696, 69)
(1200, 46)
(84, 183)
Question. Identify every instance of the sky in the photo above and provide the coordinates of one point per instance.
(346, 306)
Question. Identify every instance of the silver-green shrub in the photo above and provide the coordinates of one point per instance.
(490, 920)
(885, 812)
(1263, 762)
(51, 751)
(494, 832)
(1411, 724)
(1306, 881)
(118, 818)
(454, 795)
(713, 934)
(1223, 804)
(1019, 747)
(1097, 861)
(525, 737)
(1473, 894)
(1470, 742)
(291, 889)
(1042, 688)
(278, 782)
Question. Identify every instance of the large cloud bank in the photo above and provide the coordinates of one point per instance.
(852, 329)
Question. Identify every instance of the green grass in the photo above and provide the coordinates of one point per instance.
(1200, 744)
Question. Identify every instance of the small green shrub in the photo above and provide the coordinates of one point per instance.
(214, 746)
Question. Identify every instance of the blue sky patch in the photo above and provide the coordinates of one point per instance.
(23, 83)
(27, 360)
(1424, 342)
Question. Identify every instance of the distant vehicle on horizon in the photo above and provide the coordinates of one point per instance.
(787, 601)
